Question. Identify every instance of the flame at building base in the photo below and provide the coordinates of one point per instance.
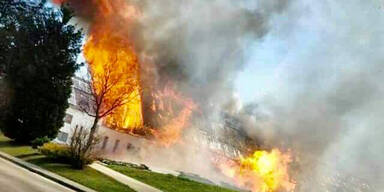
(173, 113)
(113, 63)
(262, 171)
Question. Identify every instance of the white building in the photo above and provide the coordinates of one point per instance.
(114, 142)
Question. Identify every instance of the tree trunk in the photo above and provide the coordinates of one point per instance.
(92, 132)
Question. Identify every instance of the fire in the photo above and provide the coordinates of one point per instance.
(262, 171)
(112, 59)
(114, 63)
(174, 112)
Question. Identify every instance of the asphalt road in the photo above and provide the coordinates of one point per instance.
(16, 179)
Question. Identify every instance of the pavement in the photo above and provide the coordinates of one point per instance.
(16, 179)
(132, 183)
(17, 175)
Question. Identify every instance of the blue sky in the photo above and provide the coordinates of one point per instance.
(270, 59)
(261, 69)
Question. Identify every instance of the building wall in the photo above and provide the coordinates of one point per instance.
(111, 141)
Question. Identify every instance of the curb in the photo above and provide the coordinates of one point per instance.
(47, 174)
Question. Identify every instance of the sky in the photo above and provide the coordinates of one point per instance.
(267, 58)
(258, 78)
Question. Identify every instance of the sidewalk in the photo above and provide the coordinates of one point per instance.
(47, 174)
(132, 183)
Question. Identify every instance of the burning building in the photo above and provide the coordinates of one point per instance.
(262, 170)
(155, 89)
(229, 136)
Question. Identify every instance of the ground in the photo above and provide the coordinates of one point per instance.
(100, 182)
(87, 177)
(16, 179)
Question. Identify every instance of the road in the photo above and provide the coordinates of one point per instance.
(16, 179)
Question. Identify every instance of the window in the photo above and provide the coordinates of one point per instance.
(116, 145)
(68, 118)
(78, 130)
(129, 146)
(104, 142)
(62, 136)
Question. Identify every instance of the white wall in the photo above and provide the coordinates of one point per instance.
(81, 119)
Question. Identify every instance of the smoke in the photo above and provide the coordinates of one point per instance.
(328, 102)
(201, 44)
(197, 44)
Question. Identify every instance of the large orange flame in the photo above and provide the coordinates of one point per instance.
(111, 56)
(113, 63)
(262, 171)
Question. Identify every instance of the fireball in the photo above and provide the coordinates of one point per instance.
(262, 171)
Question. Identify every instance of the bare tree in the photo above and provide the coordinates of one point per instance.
(81, 152)
(109, 88)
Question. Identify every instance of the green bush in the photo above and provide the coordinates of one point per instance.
(65, 154)
(56, 151)
(40, 141)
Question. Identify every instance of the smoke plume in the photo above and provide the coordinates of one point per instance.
(198, 44)
(328, 102)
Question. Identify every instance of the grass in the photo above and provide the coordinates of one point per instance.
(87, 177)
(167, 182)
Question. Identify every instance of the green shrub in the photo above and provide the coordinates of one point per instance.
(56, 151)
(40, 141)
(65, 154)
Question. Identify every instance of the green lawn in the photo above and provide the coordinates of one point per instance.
(87, 177)
(167, 182)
